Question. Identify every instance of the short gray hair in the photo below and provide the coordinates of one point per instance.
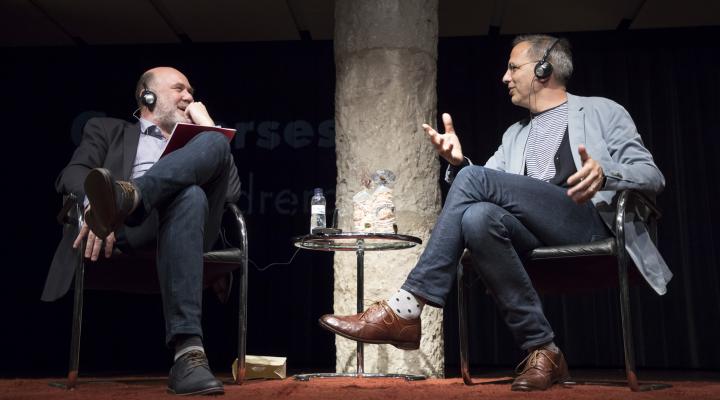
(560, 56)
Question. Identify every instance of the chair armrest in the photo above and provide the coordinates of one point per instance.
(70, 212)
(644, 209)
(234, 227)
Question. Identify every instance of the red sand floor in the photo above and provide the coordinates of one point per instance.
(686, 385)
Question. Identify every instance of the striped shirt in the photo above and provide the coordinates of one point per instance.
(546, 132)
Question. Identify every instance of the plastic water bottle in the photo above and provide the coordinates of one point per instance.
(317, 210)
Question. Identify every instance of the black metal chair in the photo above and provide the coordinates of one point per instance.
(136, 273)
(577, 268)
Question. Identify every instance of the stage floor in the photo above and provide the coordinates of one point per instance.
(685, 385)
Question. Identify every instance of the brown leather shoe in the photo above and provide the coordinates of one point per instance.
(542, 368)
(378, 324)
(110, 201)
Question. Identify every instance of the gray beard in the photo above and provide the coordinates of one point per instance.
(166, 120)
(167, 124)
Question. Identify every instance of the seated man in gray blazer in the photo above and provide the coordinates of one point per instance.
(175, 202)
(573, 153)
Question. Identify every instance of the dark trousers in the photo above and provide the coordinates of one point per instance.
(183, 198)
(500, 218)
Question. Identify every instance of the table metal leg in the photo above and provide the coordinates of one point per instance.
(360, 354)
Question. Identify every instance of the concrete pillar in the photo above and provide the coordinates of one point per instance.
(386, 67)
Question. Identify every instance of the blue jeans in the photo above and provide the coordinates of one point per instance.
(500, 218)
(182, 202)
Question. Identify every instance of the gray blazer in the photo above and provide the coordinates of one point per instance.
(611, 138)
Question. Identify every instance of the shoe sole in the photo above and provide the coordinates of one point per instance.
(100, 191)
(399, 345)
(525, 388)
(209, 391)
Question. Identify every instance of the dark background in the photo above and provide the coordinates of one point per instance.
(280, 97)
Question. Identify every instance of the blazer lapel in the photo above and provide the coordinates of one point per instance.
(576, 128)
(517, 156)
(131, 138)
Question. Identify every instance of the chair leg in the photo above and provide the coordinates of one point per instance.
(242, 326)
(462, 283)
(625, 321)
(242, 306)
(77, 323)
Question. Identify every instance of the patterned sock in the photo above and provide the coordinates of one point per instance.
(405, 304)
(187, 343)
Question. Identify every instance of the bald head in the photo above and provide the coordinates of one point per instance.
(173, 94)
(150, 77)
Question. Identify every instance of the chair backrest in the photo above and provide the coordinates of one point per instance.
(136, 273)
(577, 274)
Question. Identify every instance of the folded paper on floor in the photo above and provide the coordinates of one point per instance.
(262, 367)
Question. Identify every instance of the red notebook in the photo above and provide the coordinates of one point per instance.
(183, 133)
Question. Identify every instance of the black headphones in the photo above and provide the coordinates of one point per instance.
(148, 98)
(543, 68)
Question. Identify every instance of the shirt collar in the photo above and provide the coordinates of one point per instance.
(551, 109)
(150, 129)
(144, 124)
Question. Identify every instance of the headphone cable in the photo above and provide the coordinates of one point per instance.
(263, 268)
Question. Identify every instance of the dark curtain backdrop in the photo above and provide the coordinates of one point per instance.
(280, 98)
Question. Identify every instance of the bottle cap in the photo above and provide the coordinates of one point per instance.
(318, 191)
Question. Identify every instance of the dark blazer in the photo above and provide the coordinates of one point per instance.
(108, 143)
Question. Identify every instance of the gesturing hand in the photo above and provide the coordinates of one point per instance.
(447, 144)
(586, 182)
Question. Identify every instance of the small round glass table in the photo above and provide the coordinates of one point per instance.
(359, 242)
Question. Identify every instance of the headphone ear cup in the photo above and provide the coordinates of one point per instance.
(147, 97)
(543, 70)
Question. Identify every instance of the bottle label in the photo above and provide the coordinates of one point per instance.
(317, 209)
